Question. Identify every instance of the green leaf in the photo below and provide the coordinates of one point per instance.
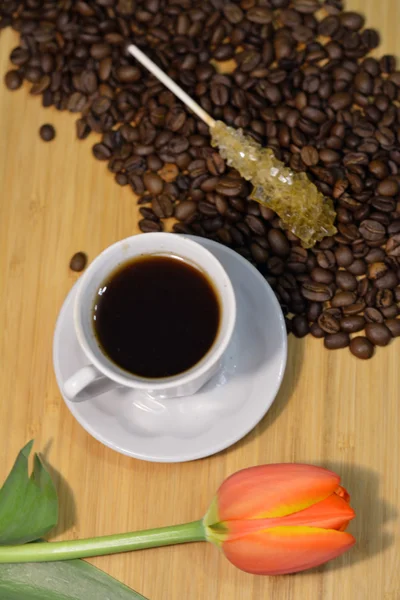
(28, 509)
(68, 580)
(28, 505)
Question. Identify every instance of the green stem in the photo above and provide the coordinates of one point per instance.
(108, 544)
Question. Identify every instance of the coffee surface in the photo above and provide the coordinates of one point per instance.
(156, 316)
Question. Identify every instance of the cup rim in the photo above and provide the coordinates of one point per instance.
(165, 383)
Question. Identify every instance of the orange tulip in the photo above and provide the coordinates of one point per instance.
(268, 520)
(282, 518)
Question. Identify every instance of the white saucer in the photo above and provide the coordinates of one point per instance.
(222, 412)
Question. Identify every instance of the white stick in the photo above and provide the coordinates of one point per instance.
(171, 85)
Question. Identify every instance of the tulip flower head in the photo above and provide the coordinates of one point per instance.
(282, 518)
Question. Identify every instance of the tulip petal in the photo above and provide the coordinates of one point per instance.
(343, 493)
(286, 549)
(274, 491)
(331, 513)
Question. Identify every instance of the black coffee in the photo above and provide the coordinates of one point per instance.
(157, 316)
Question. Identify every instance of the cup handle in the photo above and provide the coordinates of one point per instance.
(74, 388)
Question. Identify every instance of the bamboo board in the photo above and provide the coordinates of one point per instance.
(333, 410)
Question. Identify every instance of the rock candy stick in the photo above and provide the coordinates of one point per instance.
(301, 207)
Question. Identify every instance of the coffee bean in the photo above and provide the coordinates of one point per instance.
(344, 256)
(121, 179)
(154, 163)
(82, 129)
(375, 255)
(177, 144)
(209, 185)
(259, 254)
(135, 164)
(207, 209)
(394, 326)
(328, 322)
(373, 315)
(388, 187)
(19, 56)
(329, 156)
(378, 334)
(328, 26)
(363, 287)
(219, 94)
(147, 226)
(309, 156)
(229, 187)
(370, 38)
(361, 347)
(300, 327)
(175, 118)
(101, 152)
(390, 312)
(278, 242)
(357, 267)
(377, 270)
(352, 324)
(364, 82)
(13, 80)
(372, 230)
(221, 204)
(137, 184)
(316, 292)
(233, 13)
(352, 20)
(185, 210)
(153, 183)
(316, 331)
(393, 246)
(326, 259)
(216, 164)
(387, 63)
(388, 281)
(41, 85)
(101, 105)
(379, 169)
(343, 299)
(47, 133)
(33, 74)
(335, 341)
(314, 310)
(322, 275)
(340, 101)
(105, 67)
(354, 309)
(147, 213)
(162, 206)
(384, 298)
(255, 224)
(260, 15)
(143, 149)
(78, 261)
(346, 281)
(168, 172)
(306, 7)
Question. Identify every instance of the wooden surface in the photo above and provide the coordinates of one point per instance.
(333, 410)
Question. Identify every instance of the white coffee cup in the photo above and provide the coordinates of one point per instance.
(102, 374)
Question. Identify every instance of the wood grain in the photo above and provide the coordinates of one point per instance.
(333, 410)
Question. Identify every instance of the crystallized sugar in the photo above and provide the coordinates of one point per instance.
(296, 200)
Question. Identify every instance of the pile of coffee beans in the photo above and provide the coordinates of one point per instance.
(301, 82)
